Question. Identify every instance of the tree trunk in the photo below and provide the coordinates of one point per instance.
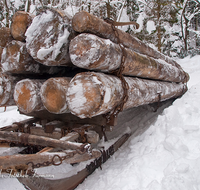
(91, 52)
(21, 20)
(47, 38)
(85, 22)
(7, 85)
(91, 94)
(26, 95)
(53, 94)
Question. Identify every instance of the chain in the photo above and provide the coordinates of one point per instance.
(113, 114)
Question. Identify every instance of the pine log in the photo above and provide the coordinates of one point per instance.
(53, 94)
(5, 36)
(86, 22)
(7, 85)
(91, 94)
(16, 60)
(91, 52)
(47, 38)
(21, 20)
(27, 95)
(17, 161)
(43, 141)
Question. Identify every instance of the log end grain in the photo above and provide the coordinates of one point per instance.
(20, 22)
(53, 94)
(5, 36)
(26, 96)
(47, 39)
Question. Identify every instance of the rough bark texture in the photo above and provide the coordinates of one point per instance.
(85, 22)
(27, 95)
(53, 94)
(91, 94)
(91, 52)
(5, 36)
(7, 85)
(47, 38)
(21, 20)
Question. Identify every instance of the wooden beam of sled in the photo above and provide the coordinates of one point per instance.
(100, 93)
(85, 22)
(71, 158)
(43, 141)
(94, 53)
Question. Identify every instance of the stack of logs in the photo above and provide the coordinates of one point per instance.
(55, 66)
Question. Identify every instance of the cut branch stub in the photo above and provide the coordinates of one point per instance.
(91, 94)
(47, 38)
(7, 85)
(20, 22)
(53, 95)
(85, 22)
(27, 95)
(91, 52)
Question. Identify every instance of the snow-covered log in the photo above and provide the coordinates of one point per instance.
(85, 22)
(91, 94)
(94, 53)
(53, 94)
(26, 95)
(7, 85)
(48, 36)
(20, 22)
(16, 60)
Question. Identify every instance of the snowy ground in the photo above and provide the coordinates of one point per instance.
(166, 156)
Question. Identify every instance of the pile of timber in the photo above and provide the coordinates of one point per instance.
(57, 66)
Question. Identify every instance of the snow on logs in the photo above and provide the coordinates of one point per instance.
(7, 85)
(21, 20)
(26, 96)
(53, 94)
(91, 94)
(86, 22)
(47, 38)
(94, 53)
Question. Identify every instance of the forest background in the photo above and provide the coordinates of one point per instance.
(170, 26)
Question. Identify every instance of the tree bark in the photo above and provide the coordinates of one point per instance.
(91, 94)
(27, 95)
(53, 94)
(47, 38)
(21, 20)
(91, 52)
(7, 85)
(85, 22)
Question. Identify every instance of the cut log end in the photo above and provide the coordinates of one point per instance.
(5, 36)
(53, 95)
(26, 96)
(20, 22)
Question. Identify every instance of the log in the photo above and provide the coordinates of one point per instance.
(91, 52)
(91, 94)
(16, 60)
(21, 20)
(43, 141)
(53, 94)
(26, 95)
(5, 36)
(48, 36)
(86, 22)
(7, 85)
(20, 160)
